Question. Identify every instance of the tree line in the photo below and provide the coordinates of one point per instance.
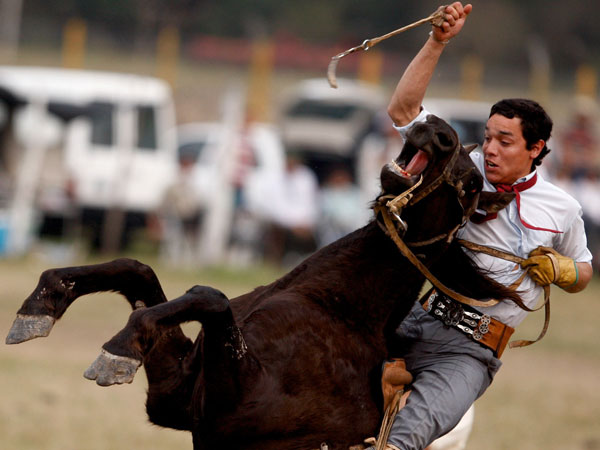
(499, 31)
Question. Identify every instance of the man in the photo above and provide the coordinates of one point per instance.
(450, 368)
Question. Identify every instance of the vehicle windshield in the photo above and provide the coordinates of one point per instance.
(469, 131)
(315, 109)
(191, 151)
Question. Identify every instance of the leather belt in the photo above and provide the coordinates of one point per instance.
(480, 327)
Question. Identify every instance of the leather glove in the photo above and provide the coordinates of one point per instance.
(545, 265)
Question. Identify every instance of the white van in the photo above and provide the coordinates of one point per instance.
(108, 138)
(326, 126)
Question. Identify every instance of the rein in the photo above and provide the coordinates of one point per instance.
(392, 209)
(408, 254)
(517, 259)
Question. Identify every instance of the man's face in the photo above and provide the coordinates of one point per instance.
(505, 150)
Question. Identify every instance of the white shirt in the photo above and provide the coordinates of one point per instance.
(288, 198)
(543, 205)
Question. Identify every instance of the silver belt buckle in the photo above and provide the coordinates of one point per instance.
(454, 314)
(430, 300)
(483, 327)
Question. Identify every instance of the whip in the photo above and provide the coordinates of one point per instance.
(436, 19)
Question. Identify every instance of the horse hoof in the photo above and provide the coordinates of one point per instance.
(27, 327)
(109, 369)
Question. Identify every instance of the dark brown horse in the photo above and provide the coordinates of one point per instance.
(295, 363)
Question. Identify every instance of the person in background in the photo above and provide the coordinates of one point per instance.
(579, 141)
(287, 203)
(341, 207)
(179, 218)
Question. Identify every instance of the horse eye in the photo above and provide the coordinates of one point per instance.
(471, 186)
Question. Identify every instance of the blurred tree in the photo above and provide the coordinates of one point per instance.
(498, 31)
(10, 27)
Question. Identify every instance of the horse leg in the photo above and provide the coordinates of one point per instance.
(146, 326)
(214, 360)
(58, 288)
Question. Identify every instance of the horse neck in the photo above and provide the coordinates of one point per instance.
(363, 276)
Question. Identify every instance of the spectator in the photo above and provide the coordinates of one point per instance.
(180, 217)
(587, 192)
(287, 203)
(341, 207)
(378, 148)
(579, 142)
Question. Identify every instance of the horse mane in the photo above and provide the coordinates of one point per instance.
(362, 258)
(459, 272)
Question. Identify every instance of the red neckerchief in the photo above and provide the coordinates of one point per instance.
(516, 188)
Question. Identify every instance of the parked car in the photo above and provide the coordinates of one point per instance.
(326, 126)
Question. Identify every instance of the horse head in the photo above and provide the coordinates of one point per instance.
(433, 187)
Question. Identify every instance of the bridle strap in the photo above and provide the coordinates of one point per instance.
(517, 259)
(408, 254)
(406, 198)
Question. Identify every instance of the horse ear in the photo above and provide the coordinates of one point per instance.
(469, 148)
(492, 202)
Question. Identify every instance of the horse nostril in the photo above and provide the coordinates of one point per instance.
(444, 140)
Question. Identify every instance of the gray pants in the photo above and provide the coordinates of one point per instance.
(450, 372)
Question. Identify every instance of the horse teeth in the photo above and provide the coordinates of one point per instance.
(403, 172)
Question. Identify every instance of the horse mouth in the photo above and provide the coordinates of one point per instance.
(411, 164)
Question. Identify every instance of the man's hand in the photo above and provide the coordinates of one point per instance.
(456, 14)
(407, 99)
(545, 265)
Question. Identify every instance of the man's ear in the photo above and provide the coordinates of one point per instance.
(492, 202)
(537, 148)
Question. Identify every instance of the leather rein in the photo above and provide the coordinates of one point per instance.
(390, 208)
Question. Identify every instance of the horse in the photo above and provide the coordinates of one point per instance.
(295, 363)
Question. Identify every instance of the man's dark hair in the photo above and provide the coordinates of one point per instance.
(535, 122)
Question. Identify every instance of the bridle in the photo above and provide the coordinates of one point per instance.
(394, 205)
(390, 207)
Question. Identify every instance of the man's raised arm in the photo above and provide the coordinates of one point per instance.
(406, 101)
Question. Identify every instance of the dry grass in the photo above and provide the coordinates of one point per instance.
(46, 402)
(545, 396)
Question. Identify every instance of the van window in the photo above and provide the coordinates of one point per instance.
(146, 127)
(316, 109)
(101, 117)
(191, 150)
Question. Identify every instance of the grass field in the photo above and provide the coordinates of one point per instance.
(545, 397)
